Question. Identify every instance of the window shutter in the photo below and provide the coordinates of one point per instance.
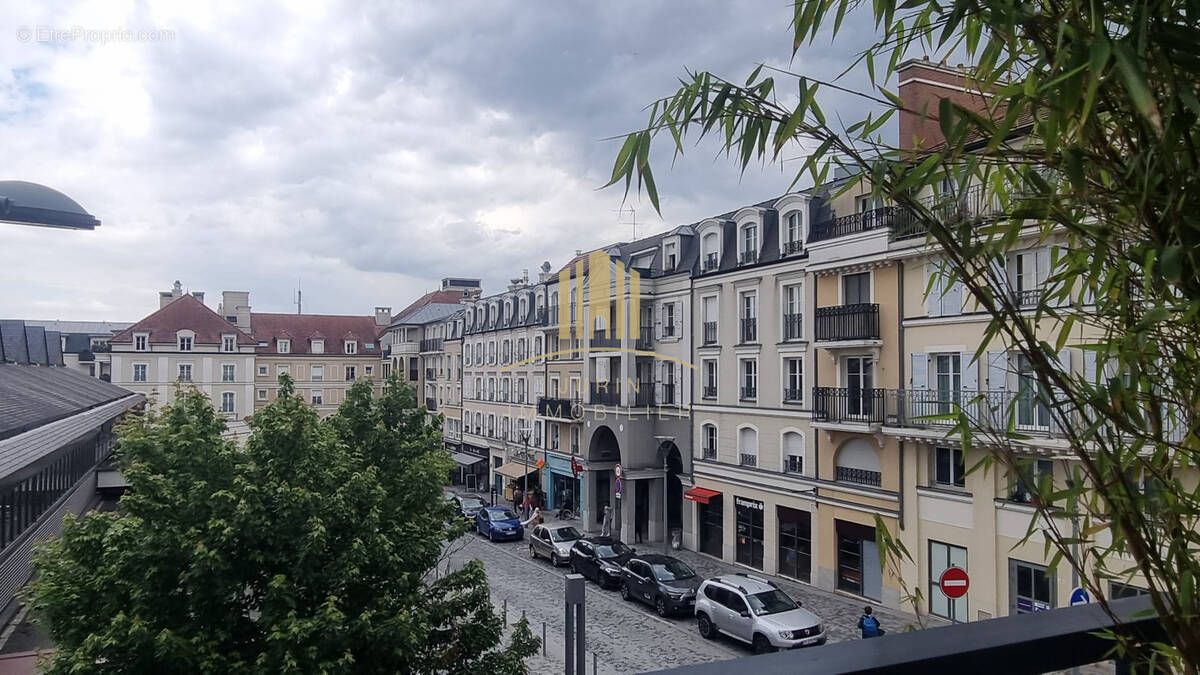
(920, 371)
(679, 319)
(1089, 366)
(952, 302)
(970, 373)
(933, 301)
(658, 382)
(997, 371)
(658, 321)
(679, 373)
(1056, 394)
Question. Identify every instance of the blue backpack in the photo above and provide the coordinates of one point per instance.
(870, 626)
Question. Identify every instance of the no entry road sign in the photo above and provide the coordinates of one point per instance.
(954, 582)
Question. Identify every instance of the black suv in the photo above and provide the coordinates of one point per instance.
(666, 583)
(600, 559)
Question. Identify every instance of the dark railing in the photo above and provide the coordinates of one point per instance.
(431, 404)
(848, 474)
(749, 330)
(709, 453)
(841, 404)
(847, 322)
(985, 410)
(710, 332)
(644, 396)
(605, 393)
(888, 216)
(791, 247)
(541, 317)
(430, 374)
(793, 326)
(793, 395)
(1028, 297)
(668, 394)
(601, 339)
(556, 407)
(645, 338)
(710, 263)
(746, 459)
(749, 393)
(710, 392)
(748, 257)
(431, 345)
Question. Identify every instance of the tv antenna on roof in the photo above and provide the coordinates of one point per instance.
(299, 297)
(633, 218)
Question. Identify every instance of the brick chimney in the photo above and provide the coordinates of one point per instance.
(923, 84)
(167, 297)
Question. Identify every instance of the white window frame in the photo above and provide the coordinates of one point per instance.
(743, 382)
(231, 397)
(351, 373)
(145, 372)
(229, 343)
(786, 372)
(185, 342)
(350, 346)
(283, 346)
(317, 396)
(232, 371)
(264, 370)
(317, 372)
(282, 369)
(957, 481)
(262, 394)
(179, 372)
(141, 342)
(318, 347)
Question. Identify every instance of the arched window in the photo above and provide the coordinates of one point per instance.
(710, 250)
(857, 462)
(708, 441)
(537, 345)
(793, 452)
(793, 232)
(748, 243)
(748, 446)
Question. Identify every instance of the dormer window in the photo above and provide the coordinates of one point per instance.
(710, 248)
(793, 235)
(141, 342)
(318, 347)
(670, 257)
(228, 343)
(284, 346)
(351, 347)
(749, 244)
(185, 344)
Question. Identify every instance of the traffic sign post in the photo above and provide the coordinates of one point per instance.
(1080, 596)
(954, 584)
(618, 472)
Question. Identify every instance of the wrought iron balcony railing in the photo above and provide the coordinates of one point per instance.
(886, 217)
(557, 407)
(431, 345)
(847, 322)
(846, 474)
(793, 395)
(710, 332)
(605, 393)
(710, 263)
(747, 459)
(848, 405)
(710, 392)
(708, 453)
(749, 332)
(749, 393)
(748, 257)
(793, 247)
(793, 326)
(601, 338)
(645, 338)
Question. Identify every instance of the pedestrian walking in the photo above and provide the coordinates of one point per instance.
(534, 520)
(566, 498)
(518, 495)
(869, 625)
(606, 522)
(525, 508)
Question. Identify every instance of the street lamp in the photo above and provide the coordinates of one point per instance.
(523, 436)
(25, 203)
(664, 448)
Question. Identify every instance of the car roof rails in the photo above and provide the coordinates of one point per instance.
(768, 582)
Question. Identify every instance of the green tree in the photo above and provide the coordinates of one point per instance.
(313, 548)
(1090, 141)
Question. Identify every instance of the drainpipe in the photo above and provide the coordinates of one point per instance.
(900, 345)
(812, 331)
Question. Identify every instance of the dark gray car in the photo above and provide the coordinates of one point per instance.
(667, 584)
(468, 506)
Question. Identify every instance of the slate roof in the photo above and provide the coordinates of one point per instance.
(97, 328)
(447, 297)
(184, 313)
(299, 327)
(427, 313)
(20, 343)
(32, 396)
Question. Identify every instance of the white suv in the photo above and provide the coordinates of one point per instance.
(755, 611)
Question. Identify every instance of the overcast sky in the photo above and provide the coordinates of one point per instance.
(364, 149)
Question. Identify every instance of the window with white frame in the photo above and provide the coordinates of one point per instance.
(284, 346)
(350, 346)
(793, 452)
(948, 467)
(793, 232)
(710, 378)
(369, 370)
(139, 372)
(941, 557)
(228, 372)
(669, 319)
(318, 346)
(185, 343)
(283, 369)
(318, 373)
(793, 373)
(709, 441)
(351, 373)
(185, 372)
(228, 402)
(264, 370)
(793, 312)
(670, 256)
(141, 342)
(748, 446)
(318, 397)
(749, 379)
(710, 250)
(748, 306)
(228, 343)
(262, 394)
(749, 243)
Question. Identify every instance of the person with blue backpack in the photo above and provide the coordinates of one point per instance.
(869, 625)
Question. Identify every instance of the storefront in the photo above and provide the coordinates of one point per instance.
(858, 569)
(710, 519)
(471, 466)
(512, 475)
(749, 545)
(795, 543)
(564, 486)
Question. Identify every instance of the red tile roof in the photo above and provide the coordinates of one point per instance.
(452, 297)
(184, 313)
(267, 327)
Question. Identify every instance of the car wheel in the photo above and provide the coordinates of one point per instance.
(761, 644)
(532, 553)
(660, 606)
(707, 630)
(554, 559)
(625, 594)
(492, 536)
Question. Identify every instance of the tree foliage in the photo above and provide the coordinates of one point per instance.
(1089, 141)
(310, 549)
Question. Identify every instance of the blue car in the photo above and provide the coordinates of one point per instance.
(498, 522)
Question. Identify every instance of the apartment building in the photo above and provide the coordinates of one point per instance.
(84, 344)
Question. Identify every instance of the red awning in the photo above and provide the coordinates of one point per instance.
(701, 495)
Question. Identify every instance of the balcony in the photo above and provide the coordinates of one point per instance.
(1026, 298)
(430, 404)
(644, 396)
(556, 408)
(748, 258)
(846, 474)
(749, 393)
(793, 247)
(749, 330)
(709, 392)
(668, 394)
(793, 395)
(746, 459)
(889, 217)
(847, 322)
(710, 263)
(645, 338)
(793, 326)
(708, 453)
(995, 411)
(710, 332)
(601, 338)
(431, 345)
(841, 405)
(605, 393)
(430, 374)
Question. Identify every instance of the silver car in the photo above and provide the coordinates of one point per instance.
(755, 611)
(553, 542)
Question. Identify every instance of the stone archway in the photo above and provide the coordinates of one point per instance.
(604, 446)
(604, 451)
(674, 488)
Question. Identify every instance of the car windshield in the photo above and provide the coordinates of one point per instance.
(672, 571)
(565, 534)
(771, 602)
(611, 550)
(472, 504)
(503, 514)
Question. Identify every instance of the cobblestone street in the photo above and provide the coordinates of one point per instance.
(629, 637)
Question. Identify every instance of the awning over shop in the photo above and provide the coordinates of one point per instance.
(701, 495)
(466, 458)
(516, 469)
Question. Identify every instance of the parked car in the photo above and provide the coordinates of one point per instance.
(667, 584)
(468, 506)
(755, 611)
(600, 559)
(553, 542)
(498, 522)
